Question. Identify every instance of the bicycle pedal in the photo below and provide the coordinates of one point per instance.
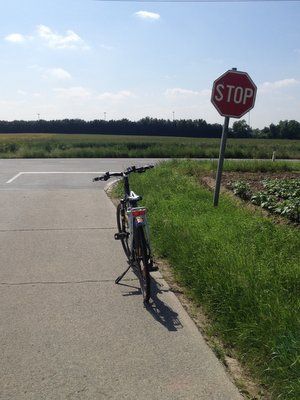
(120, 236)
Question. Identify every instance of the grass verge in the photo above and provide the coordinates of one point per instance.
(237, 264)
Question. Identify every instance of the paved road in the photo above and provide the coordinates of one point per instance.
(67, 331)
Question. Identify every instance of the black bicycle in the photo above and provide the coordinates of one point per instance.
(133, 230)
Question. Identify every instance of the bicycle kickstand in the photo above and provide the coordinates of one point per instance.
(122, 275)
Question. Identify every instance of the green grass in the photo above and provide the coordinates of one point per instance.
(236, 263)
(72, 145)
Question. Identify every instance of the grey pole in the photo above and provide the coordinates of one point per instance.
(221, 161)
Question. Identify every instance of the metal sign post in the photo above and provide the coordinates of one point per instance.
(221, 161)
(233, 95)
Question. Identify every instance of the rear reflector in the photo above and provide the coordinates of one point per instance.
(138, 213)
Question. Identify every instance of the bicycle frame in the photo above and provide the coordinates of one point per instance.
(133, 230)
(136, 215)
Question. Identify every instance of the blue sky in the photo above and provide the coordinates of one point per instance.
(92, 60)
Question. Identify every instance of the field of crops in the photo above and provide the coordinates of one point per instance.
(83, 146)
(278, 196)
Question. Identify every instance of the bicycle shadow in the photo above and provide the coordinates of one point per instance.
(161, 311)
(136, 290)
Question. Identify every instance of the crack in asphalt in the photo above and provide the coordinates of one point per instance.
(55, 229)
(64, 282)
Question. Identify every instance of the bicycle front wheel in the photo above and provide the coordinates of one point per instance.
(122, 225)
(142, 262)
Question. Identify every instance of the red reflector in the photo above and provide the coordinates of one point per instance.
(138, 213)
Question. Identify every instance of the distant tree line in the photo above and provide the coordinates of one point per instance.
(283, 130)
(145, 126)
(153, 126)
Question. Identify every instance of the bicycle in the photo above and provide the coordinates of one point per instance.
(133, 230)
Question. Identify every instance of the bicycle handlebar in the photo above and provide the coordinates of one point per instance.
(127, 171)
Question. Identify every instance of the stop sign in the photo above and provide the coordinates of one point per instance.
(233, 94)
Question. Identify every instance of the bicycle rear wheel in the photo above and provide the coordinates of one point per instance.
(142, 262)
(122, 225)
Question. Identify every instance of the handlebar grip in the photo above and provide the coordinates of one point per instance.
(102, 178)
(144, 168)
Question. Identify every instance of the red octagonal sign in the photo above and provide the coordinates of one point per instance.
(233, 94)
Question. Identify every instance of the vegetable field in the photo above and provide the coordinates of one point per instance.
(278, 196)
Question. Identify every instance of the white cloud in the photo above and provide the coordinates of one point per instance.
(52, 39)
(21, 92)
(15, 38)
(147, 15)
(56, 41)
(73, 92)
(176, 93)
(118, 96)
(268, 87)
(58, 73)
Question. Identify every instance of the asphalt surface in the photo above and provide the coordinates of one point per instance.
(66, 330)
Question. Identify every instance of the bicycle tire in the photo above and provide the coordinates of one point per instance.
(142, 262)
(122, 228)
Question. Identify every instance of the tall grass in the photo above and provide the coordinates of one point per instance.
(62, 145)
(196, 168)
(244, 269)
